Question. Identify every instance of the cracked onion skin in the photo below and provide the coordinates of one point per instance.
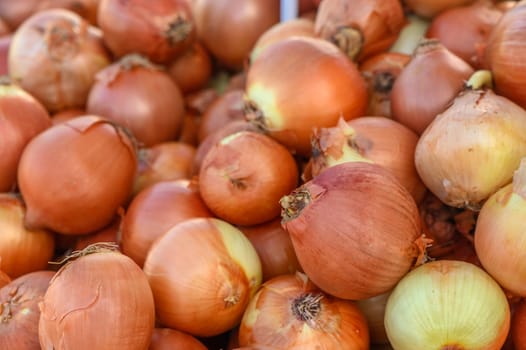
(357, 221)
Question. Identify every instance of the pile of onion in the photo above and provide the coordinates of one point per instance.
(167, 339)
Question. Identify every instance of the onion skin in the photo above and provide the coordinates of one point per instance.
(479, 127)
(324, 218)
(4, 278)
(518, 326)
(447, 305)
(289, 114)
(5, 43)
(168, 339)
(431, 8)
(19, 312)
(374, 311)
(192, 69)
(104, 293)
(202, 273)
(290, 312)
(86, 165)
(108, 234)
(67, 114)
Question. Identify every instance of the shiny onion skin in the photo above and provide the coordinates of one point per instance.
(518, 326)
(192, 69)
(21, 118)
(170, 339)
(484, 132)
(283, 101)
(155, 210)
(74, 176)
(290, 312)
(360, 28)
(499, 234)
(19, 312)
(427, 85)
(243, 177)
(203, 273)
(370, 139)
(447, 304)
(506, 43)
(431, 8)
(230, 28)
(101, 301)
(21, 250)
(325, 220)
(160, 30)
(65, 54)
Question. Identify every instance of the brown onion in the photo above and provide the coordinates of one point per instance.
(225, 109)
(283, 101)
(203, 273)
(361, 258)
(189, 129)
(102, 292)
(65, 54)
(427, 85)
(197, 102)
(243, 177)
(67, 114)
(431, 8)
(155, 210)
(19, 313)
(192, 69)
(22, 117)
(360, 28)
(374, 311)
(518, 326)
(109, 234)
(159, 30)
(75, 175)
(290, 312)
(21, 250)
(170, 339)
(5, 43)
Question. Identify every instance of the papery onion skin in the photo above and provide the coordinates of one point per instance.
(169, 339)
(290, 312)
(447, 304)
(431, 8)
(481, 129)
(203, 273)
(324, 218)
(288, 113)
(518, 326)
(75, 175)
(103, 293)
(19, 312)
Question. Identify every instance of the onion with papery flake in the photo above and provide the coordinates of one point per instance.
(170, 339)
(283, 100)
(447, 305)
(75, 175)
(19, 312)
(203, 273)
(101, 300)
(357, 221)
(290, 312)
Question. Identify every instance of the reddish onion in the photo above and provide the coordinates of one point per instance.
(203, 273)
(170, 339)
(4, 278)
(19, 313)
(226, 108)
(518, 326)
(54, 55)
(139, 96)
(5, 42)
(360, 28)
(290, 312)
(243, 177)
(192, 69)
(282, 100)
(155, 210)
(431, 8)
(75, 175)
(109, 234)
(360, 258)
(159, 30)
(102, 292)
(67, 114)
(189, 129)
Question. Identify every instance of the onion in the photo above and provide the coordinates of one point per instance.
(290, 312)
(518, 326)
(274, 248)
(109, 234)
(4, 278)
(507, 41)
(447, 305)
(169, 339)
(19, 313)
(360, 258)
(203, 273)
(427, 85)
(243, 177)
(21, 250)
(5, 43)
(370, 139)
(189, 129)
(102, 292)
(67, 114)
(192, 69)
(22, 117)
(141, 97)
(54, 55)
(197, 102)
(282, 100)
(155, 210)
(431, 8)
(230, 28)
(484, 132)
(226, 108)
(160, 30)
(374, 311)
(360, 28)
(75, 175)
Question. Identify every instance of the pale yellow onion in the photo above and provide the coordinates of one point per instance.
(447, 304)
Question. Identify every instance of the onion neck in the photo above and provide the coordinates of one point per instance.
(383, 82)
(100, 247)
(178, 30)
(480, 79)
(307, 307)
(519, 179)
(349, 40)
(61, 42)
(293, 204)
(255, 116)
